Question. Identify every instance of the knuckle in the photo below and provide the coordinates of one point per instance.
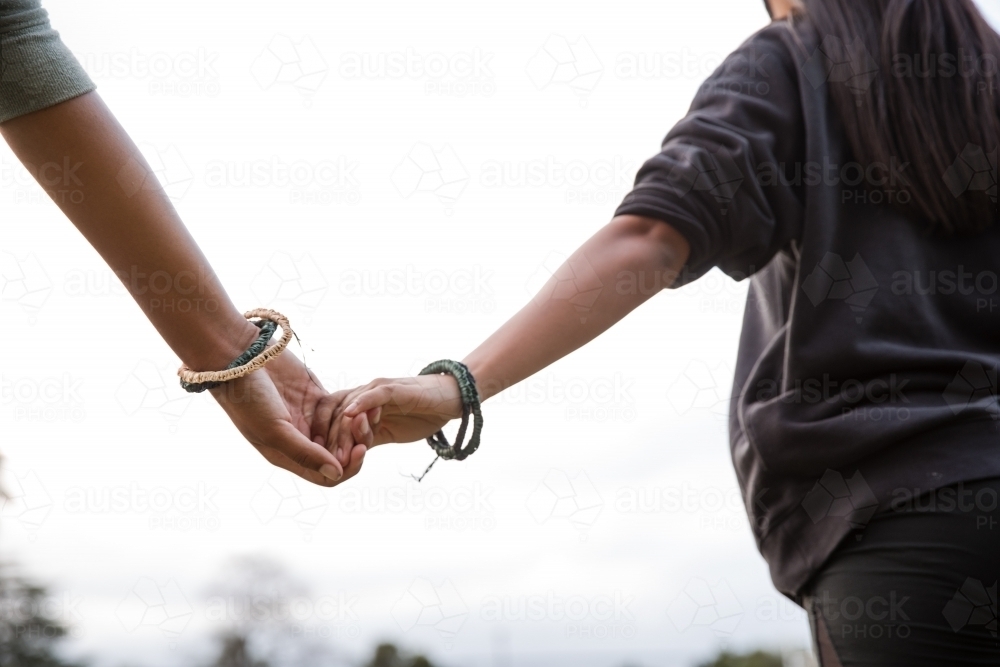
(301, 457)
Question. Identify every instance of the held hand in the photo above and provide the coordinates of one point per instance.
(396, 410)
(273, 408)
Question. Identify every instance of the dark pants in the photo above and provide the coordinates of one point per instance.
(917, 586)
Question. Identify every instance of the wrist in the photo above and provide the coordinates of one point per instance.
(487, 384)
(217, 345)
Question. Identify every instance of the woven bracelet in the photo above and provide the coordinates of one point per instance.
(254, 358)
(470, 404)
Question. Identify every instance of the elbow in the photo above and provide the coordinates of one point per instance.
(662, 245)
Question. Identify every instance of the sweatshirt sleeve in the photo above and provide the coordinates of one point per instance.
(36, 68)
(717, 177)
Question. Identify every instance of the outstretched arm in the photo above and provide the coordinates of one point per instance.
(601, 283)
(614, 272)
(131, 223)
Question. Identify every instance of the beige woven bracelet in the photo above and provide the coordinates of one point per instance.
(270, 352)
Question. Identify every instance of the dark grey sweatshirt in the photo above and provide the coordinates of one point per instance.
(867, 366)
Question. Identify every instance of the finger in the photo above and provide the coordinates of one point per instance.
(322, 418)
(336, 441)
(346, 441)
(369, 400)
(304, 452)
(357, 458)
(279, 460)
(375, 416)
(362, 430)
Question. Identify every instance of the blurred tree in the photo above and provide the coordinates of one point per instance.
(266, 617)
(29, 634)
(755, 659)
(387, 655)
(234, 652)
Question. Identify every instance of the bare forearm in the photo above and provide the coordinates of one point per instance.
(610, 275)
(131, 223)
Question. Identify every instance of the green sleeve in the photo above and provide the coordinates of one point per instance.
(36, 68)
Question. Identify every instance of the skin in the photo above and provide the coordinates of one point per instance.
(782, 9)
(545, 330)
(282, 410)
(129, 220)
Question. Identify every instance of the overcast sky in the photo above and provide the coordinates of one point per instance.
(356, 166)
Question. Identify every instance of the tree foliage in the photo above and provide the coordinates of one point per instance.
(755, 659)
(387, 655)
(30, 632)
(234, 651)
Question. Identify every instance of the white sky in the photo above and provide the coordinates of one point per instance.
(621, 417)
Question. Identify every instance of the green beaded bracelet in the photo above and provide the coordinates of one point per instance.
(470, 405)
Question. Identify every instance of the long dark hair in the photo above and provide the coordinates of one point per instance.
(916, 81)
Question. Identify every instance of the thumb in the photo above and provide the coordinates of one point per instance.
(304, 452)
